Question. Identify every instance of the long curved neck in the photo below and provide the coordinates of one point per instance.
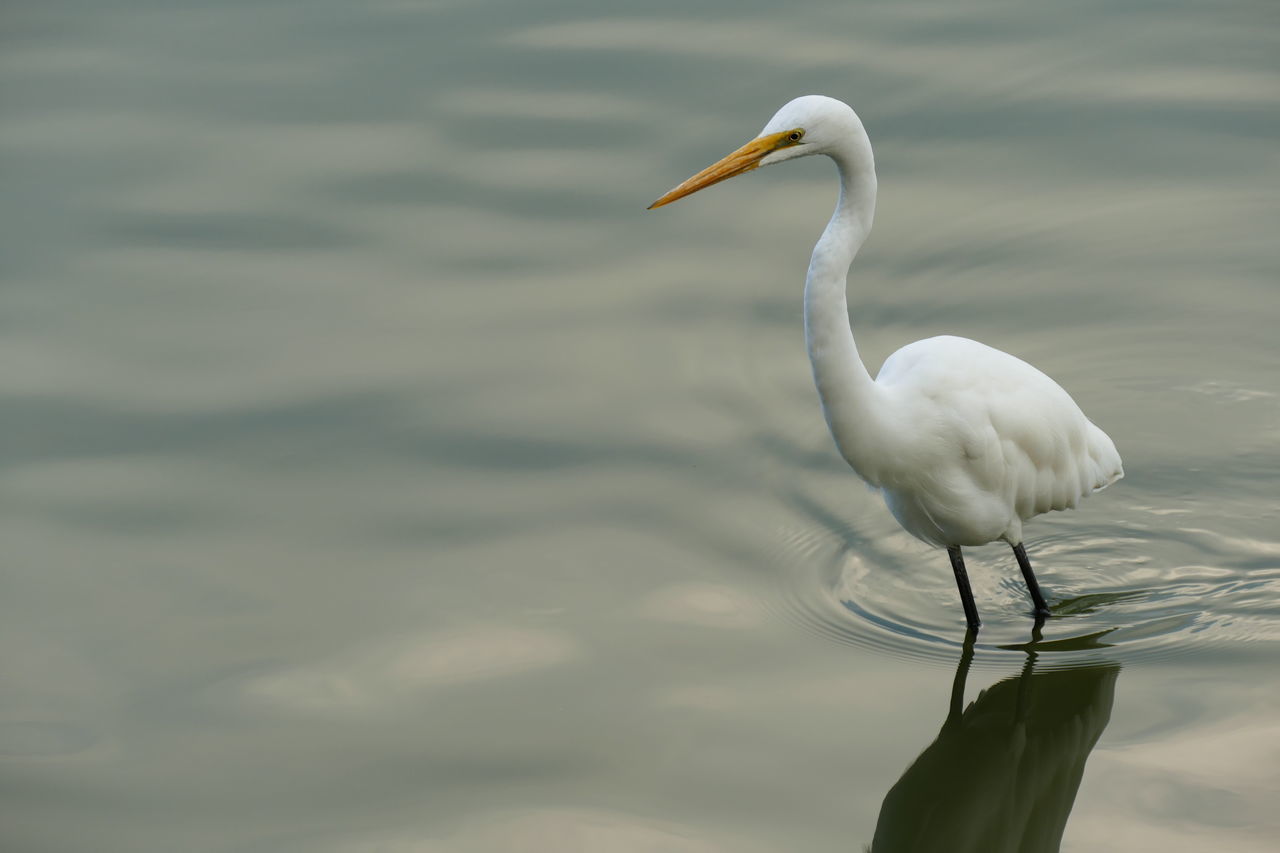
(850, 397)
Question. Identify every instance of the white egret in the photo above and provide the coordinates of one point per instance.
(965, 442)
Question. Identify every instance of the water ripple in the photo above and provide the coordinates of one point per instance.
(1108, 587)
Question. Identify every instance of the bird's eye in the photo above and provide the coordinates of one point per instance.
(795, 135)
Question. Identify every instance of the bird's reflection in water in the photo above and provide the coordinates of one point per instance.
(1002, 775)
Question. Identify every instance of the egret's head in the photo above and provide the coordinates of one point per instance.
(812, 124)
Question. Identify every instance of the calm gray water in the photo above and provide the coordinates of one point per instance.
(378, 475)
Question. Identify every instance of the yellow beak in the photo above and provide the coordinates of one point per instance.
(745, 159)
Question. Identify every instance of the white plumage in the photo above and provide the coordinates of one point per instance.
(965, 442)
(983, 442)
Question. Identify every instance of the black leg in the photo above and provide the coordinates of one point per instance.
(962, 581)
(1042, 609)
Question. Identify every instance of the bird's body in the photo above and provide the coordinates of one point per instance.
(981, 441)
(965, 442)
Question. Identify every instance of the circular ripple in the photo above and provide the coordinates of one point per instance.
(1140, 594)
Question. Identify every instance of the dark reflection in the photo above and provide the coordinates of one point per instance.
(1003, 773)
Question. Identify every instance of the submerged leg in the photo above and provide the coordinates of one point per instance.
(962, 581)
(1042, 609)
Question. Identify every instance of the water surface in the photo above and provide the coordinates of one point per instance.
(379, 475)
